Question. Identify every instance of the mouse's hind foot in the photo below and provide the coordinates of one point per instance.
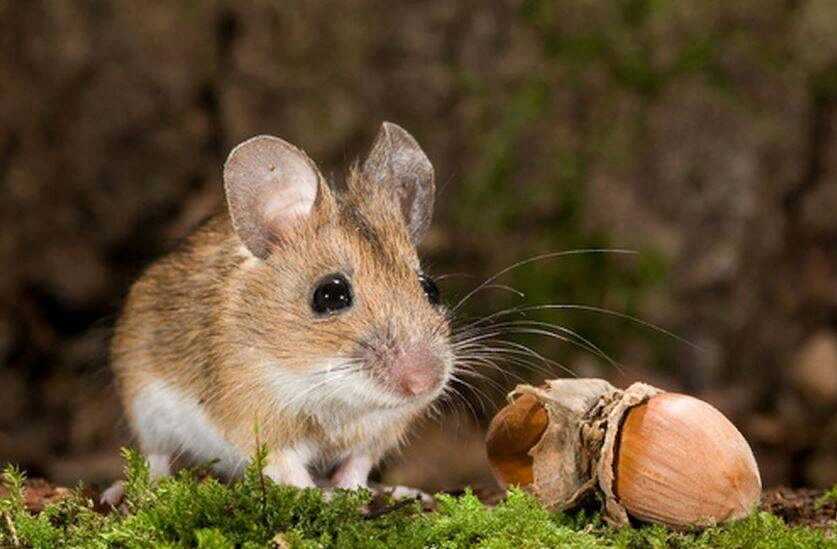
(159, 466)
(114, 495)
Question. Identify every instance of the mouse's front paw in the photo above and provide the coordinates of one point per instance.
(403, 492)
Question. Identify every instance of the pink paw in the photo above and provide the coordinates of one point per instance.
(114, 495)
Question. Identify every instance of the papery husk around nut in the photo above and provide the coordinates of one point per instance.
(644, 451)
(636, 394)
(562, 462)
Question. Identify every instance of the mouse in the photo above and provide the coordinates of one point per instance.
(299, 320)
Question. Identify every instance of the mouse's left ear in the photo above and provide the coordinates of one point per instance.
(396, 160)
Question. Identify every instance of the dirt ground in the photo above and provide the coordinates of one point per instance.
(801, 507)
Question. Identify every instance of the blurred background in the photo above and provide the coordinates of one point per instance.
(703, 135)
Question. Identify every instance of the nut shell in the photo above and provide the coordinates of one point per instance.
(661, 457)
(679, 461)
(511, 436)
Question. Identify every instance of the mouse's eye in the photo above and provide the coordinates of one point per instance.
(431, 290)
(331, 294)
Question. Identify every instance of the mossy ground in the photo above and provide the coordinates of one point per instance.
(192, 511)
(829, 496)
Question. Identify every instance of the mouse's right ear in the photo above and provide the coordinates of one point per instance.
(270, 185)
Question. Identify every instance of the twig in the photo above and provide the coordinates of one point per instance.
(263, 487)
(12, 530)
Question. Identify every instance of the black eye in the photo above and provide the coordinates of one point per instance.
(332, 294)
(430, 289)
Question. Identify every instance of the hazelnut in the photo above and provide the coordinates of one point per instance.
(657, 456)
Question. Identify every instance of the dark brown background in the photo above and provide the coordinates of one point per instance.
(700, 134)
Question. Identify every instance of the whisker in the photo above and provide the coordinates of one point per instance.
(520, 349)
(541, 257)
(471, 363)
(583, 343)
(600, 310)
(467, 369)
(464, 400)
(452, 275)
(479, 394)
(473, 340)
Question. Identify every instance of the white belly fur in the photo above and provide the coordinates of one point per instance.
(169, 421)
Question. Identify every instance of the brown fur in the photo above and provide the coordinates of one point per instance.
(212, 320)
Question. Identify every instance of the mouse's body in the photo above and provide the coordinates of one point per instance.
(301, 314)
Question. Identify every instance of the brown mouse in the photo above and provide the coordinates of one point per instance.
(302, 312)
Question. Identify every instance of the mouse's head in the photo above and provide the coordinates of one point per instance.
(331, 296)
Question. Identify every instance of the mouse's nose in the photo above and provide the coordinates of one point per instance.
(416, 371)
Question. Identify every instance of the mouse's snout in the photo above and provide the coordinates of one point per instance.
(410, 371)
(416, 371)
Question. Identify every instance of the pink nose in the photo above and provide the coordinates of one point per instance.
(416, 372)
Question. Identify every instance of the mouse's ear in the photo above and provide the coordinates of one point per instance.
(270, 184)
(396, 160)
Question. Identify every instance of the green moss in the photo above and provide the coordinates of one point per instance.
(187, 511)
(829, 497)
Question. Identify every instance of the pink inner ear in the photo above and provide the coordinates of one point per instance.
(289, 201)
(290, 190)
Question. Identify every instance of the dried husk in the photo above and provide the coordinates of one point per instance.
(657, 456)
(563, 459)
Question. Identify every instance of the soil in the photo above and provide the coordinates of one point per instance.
(39, 493)
(797, 507)
(802, 507)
